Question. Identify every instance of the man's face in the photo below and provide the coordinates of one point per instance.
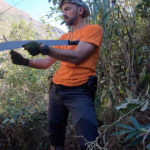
(69, 13)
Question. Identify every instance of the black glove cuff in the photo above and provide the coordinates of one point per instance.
(26, 62)
(40, 51)
(45, 50)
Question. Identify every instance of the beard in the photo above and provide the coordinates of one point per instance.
(71, 21)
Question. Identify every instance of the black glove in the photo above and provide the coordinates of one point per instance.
(18, 59)
(32, 47)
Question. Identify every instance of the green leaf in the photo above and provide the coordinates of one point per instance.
(131, 135)
(135, 141)
(41, 144)
(147, 90)
(139, 59)
(121, 92)
(94, 13)
(129, 95)
(124, 111)
(12, 120)
(106, 17)
(104, 141)
(148, 124)
(135, 123)
(136, 101)
(148, 146)
(122, 132)
(6, 120)
(126, 126)
(54, 2)
(62, 23)
(105, 3)
(144, 130)
(131, 106)
(145, 79)
(144, 107)
(124, 105)
(98, 5)
(46, 145)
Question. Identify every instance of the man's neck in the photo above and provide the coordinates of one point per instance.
(78, 25)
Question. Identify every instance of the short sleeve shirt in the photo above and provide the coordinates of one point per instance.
(74, 75)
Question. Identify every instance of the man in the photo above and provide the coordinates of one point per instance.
(70, 91)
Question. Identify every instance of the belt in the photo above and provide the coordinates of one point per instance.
(66, 87)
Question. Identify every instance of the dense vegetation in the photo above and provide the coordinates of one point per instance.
(122, 101)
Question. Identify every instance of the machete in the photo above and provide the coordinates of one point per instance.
(18, 44)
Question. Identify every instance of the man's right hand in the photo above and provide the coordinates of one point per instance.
(18, 59)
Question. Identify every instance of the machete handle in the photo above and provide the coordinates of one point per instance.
(73, 42)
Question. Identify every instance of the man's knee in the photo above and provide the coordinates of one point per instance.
(86, 132)
(84, 127)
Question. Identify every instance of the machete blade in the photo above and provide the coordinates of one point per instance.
(18, 44)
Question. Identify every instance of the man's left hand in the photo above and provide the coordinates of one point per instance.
(32, 47)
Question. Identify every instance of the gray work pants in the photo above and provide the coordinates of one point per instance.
(78, 100)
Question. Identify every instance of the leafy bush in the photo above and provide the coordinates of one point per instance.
(138, 133)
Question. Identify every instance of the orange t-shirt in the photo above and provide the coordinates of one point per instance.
(74, 75)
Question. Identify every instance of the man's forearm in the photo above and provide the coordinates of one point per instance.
(64, 55)
(42, 63)
(70, 56)
(83, 51)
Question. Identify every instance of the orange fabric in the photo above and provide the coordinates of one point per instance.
(74, 75)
